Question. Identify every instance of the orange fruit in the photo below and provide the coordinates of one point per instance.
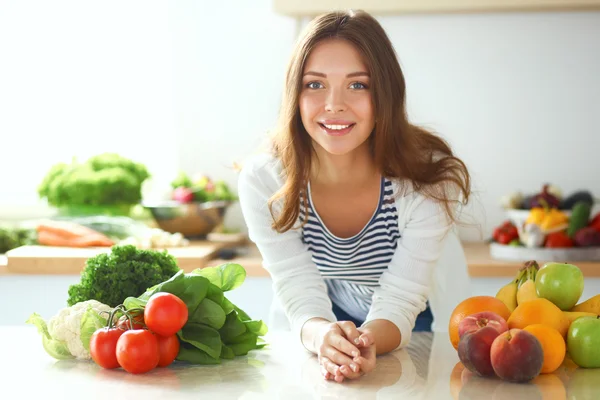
(471, 306)
(539, 311)
(553, 344)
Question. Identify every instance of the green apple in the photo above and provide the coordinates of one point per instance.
(561, 283)
(583, 342)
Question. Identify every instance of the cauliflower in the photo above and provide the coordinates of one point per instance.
(66, 326)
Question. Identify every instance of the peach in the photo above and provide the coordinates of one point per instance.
(474, 350)
(517, 356)
(479, 320)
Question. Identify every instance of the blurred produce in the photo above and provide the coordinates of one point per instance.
(549, 219)
(12, 237)
(104, 184)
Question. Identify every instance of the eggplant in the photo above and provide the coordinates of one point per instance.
(579, 196)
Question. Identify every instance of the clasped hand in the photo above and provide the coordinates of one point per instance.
(345, 351)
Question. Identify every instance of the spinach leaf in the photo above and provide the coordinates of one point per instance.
(241, 313)
(215, 293)
(227, 306)
(208, 313)
(134, 302)
(257, 327)
(241, 349)
(226, 276)
(203, 337)
(191, 288)
(227, 352)
(233, 327)
(194, 355)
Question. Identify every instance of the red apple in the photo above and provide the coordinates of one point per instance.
(474, 322)
(183, 195)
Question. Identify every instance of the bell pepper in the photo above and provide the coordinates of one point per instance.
(548, 219)
(505, 233)
(559, 239)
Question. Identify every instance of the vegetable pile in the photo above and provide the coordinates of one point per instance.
(185, 318)
(201, 189)
(106, 179)
(124, 272)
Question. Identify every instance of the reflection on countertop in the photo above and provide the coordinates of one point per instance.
(427, 369)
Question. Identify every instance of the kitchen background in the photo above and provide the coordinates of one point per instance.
(195, 86)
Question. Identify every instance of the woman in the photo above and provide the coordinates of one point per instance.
(353, 209)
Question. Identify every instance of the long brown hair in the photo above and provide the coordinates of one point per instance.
(399, 149)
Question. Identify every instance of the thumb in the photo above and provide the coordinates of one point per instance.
(366, 339)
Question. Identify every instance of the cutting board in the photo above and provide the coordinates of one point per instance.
(49, 260)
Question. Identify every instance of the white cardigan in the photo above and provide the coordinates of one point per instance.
(429, 262)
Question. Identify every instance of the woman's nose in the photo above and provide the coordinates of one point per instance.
(335, 101)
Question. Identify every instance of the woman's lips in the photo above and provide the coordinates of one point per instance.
(336, 129)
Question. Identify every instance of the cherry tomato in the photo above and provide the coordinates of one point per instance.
(138, 321)
(103, 345)
(165, 314)
(137, 351)
(168, 348)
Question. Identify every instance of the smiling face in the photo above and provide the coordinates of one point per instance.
(335, 102)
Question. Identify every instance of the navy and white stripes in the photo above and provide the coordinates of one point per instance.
(352, 266)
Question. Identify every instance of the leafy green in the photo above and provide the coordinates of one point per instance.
(90, 322)
(103, 180)
(126, 271)
(55, 348)
(226, 277)
(216, 328)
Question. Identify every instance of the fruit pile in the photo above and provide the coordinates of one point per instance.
(199, 189)
(530, 326)
(552, 222)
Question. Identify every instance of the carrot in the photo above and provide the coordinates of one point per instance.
(65, 229)
(95, 239)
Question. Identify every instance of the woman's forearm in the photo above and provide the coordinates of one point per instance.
(310, 332)
(385, 333)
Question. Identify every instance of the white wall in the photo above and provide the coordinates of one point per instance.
(515, 94)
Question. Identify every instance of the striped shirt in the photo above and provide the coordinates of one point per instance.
(352, 266)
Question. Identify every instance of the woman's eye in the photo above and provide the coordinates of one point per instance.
(358, 85)
(313, 85)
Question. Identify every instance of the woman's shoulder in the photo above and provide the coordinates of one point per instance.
(262, 170)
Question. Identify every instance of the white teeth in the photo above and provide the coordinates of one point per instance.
(336, 127)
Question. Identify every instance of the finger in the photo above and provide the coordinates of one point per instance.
(366, 339)
(337, 357)
(350, 373)
(331, 367)
(326, 374)
(350, 331)
(343, 345)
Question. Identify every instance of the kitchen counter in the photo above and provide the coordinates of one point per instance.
(428, 369)
(479, 262)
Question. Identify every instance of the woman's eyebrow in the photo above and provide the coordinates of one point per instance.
(350, 75)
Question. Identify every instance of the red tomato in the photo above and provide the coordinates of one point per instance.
(168, 348)
(138, 321)
(137, 351)
(165, 314)
(103, 345)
